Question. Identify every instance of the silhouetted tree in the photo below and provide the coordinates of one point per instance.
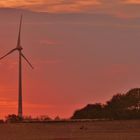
(91, 111)
(57, 118)
(13, 118)
(121, 106)
(44, 118)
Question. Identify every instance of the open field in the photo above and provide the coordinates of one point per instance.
(98, 130)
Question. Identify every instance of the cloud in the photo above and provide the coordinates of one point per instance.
(126, 7)
(49, 42)
(131, 1)
(65, 6)
(46, 62)
(51, 5)
(15, 3)
(123, 8)
(114, 2)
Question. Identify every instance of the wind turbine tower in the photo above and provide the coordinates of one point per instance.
(21, 56)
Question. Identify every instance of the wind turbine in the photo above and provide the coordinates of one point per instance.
(21, 55)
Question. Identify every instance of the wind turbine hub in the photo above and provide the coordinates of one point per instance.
(19, 48)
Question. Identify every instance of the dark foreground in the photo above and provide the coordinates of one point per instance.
(99, 130)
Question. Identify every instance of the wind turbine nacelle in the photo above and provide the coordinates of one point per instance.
(19, 48)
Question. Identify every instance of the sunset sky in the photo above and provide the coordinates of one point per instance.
(128, 7)
(83, 51)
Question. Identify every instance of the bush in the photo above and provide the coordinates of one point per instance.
(13, 118)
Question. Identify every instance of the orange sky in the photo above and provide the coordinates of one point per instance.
(75, 55)
(68, 5)
(133, 1)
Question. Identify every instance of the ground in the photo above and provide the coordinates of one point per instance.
(97, 130)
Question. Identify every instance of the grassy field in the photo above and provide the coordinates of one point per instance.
(98, 130)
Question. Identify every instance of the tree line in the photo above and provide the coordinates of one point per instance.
(120, 106)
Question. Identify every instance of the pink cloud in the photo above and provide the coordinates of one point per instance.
(49, 42)
(131, 1)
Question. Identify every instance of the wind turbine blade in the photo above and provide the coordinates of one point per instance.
(27, 60)
(19, 35)
(8, 53)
